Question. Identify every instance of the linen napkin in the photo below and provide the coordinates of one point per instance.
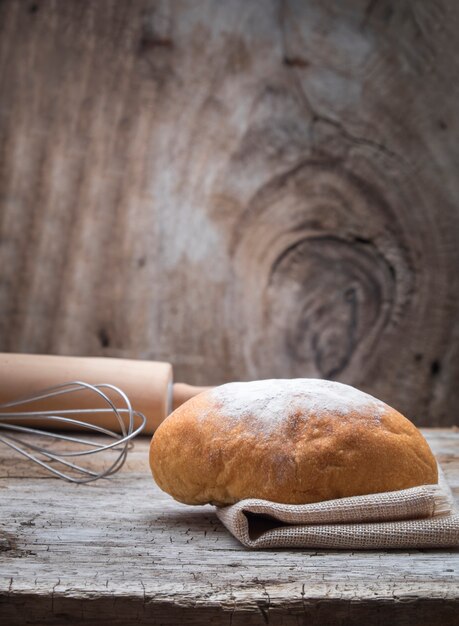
(420, 517)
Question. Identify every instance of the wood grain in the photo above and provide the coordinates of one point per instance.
(122, 552)
(246, 189)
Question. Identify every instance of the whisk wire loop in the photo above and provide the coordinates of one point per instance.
(125, 418)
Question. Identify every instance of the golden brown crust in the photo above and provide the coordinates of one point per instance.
(199, 455)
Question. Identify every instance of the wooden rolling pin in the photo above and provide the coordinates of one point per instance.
(148, 384)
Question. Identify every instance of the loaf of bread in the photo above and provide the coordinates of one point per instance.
(291, 441)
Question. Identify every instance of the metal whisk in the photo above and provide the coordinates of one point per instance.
(54, 457)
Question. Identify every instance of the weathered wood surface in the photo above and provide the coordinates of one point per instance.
(246, 189)
(122, 552)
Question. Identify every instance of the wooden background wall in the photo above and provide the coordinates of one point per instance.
(248, 189)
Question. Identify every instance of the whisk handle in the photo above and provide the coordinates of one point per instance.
(148, 384)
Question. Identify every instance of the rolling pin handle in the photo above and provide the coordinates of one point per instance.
(183, 392)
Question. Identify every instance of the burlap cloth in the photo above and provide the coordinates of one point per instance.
(421, 517)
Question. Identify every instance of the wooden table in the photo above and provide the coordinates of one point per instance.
(122, 552)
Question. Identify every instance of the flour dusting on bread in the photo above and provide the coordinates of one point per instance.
(267, 403)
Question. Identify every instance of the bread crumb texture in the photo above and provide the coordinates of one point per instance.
(291, 441)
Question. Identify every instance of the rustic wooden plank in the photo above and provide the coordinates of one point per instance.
(123, 552)
(246, 189)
